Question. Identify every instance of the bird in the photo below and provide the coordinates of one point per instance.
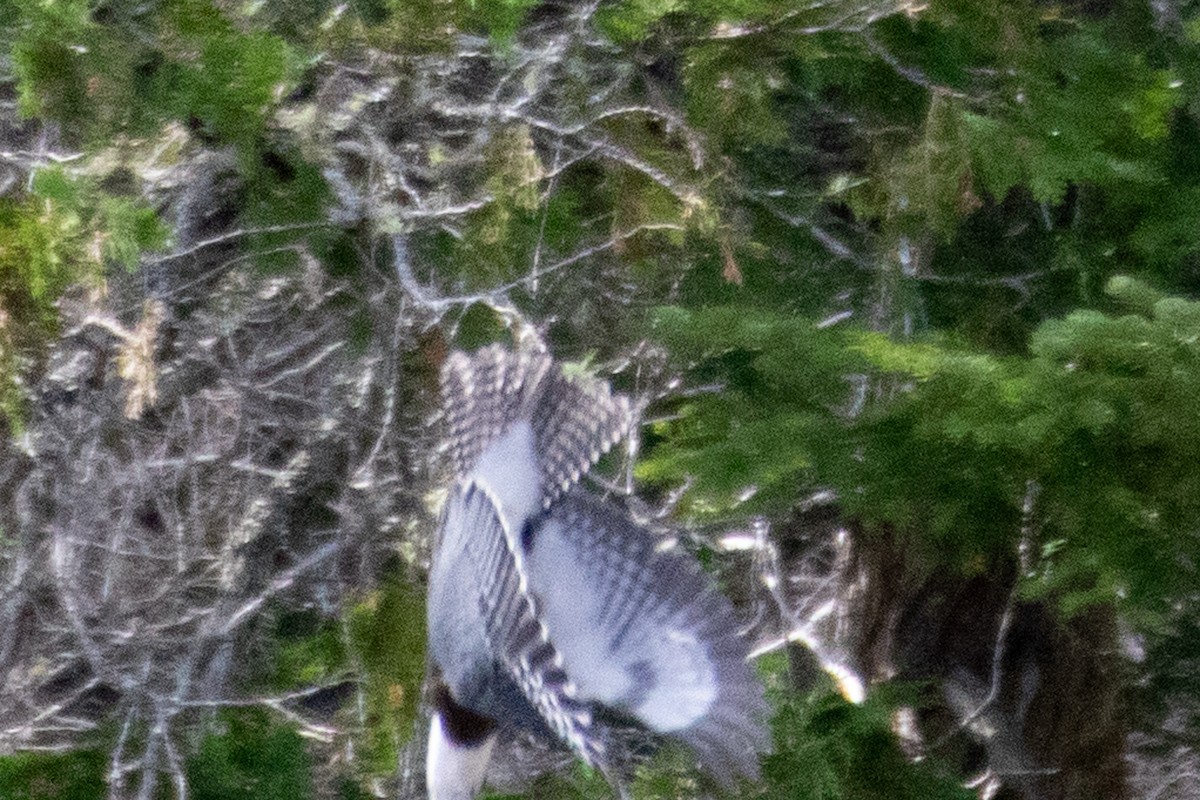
(552, 611)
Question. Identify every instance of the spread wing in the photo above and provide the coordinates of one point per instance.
(640, 627)
(515, 635)
(574, 420)
(577, 605)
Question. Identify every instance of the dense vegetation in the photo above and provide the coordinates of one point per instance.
(908, 292)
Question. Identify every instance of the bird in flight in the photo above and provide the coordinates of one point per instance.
(551, 610)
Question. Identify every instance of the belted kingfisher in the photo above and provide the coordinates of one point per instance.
(551, 610)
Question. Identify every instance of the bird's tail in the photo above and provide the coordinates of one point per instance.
(575, 420)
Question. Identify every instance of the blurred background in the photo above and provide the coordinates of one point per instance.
(905, 294)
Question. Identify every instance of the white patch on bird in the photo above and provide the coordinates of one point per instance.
(571, 610)
(454, 771)
(508, 472)
(665, 678)
(687, 684)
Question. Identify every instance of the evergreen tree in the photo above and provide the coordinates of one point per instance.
(907, 290)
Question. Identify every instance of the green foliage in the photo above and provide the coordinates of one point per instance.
(632, 20)
(1035, 140)
(1086, 135)
(388, 634)
(125, 228)
(284, 202)
(411, 26)
(499, 18)
(1025, 151)
(253, 755)
(479, 326)
(1071, 100)
(308, 650)
(829, 749)
(51, 62)
(580, 783)
(225, 77)
(1100, 421)
(123, 71)
(63, 234)
(76, 775)
(34, 265)
(766, 426)
(1099, 417)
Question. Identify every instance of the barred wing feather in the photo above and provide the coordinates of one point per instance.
(574, 420)
(515, 634)
(641, 628)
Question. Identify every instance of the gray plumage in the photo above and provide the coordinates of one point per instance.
(552, 610)
(574, 422)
